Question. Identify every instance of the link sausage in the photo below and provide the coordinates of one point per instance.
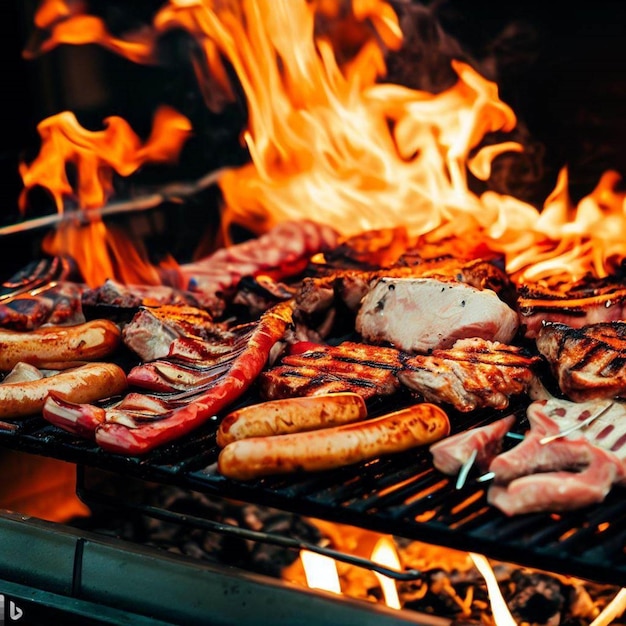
(334, 447)
(291, 415)
(87, 383)
(59, 347)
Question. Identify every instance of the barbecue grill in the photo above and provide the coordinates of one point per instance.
(75, 575)
(401, 495)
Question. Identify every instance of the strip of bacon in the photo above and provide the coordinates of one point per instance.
(125, 430)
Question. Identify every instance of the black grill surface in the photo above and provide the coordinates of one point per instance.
(401, 495)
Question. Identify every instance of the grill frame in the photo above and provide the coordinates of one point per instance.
(400, 494)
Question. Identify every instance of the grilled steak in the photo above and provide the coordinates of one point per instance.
(153, 331)
(367, 370)
(473, 373)
(569, 472)
(423, 314)
(588, 362)
(593, 302)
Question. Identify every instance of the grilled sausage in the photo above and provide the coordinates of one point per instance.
(291, 415)
(59, 347)
(87, 383)
(334, 447)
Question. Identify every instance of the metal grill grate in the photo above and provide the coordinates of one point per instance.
(401, 495)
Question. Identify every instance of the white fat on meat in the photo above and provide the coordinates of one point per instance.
(568, 473)
(423, 314)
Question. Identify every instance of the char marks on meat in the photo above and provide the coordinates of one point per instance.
(423, 314)
(474, 373)
(588, 362)
(367, 370)
(593, 302)
(141, 422)
(154, 332)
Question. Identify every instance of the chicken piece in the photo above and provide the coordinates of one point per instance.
(423, 314)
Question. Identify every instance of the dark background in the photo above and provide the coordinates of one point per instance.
(561, 68)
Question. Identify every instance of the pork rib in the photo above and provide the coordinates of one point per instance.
(142, 422)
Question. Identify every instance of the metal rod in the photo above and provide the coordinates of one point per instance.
(193, 521)
(168, 193)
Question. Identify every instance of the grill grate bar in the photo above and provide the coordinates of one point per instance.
(401, 495)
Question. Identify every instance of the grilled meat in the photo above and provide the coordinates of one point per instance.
(114, 294)
(474, 373)
(282, 252)
(141, 422)
(593, 302)
(154, 332)
(569, 472)
(423, 314)
(367, 370)
(588, 362)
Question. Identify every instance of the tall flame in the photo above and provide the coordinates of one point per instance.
(329, 140)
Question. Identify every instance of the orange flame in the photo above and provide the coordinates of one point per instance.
(66, 22)
(97, 154)
(329, 141)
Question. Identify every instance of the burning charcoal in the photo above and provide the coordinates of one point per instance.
(538, 598)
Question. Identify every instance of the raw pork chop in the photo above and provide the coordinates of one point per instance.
(569, 472)
(423, 314)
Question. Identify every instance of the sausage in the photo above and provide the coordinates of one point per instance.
(291, 415)
(87, 383)
(334, 447)
(59, 347)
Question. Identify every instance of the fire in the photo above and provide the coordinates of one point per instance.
(328, 139)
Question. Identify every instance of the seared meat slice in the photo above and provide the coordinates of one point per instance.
(367, 370)
(152, 331)
(592, 303)
(423, 314)
(588, 362)
(474, 373)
